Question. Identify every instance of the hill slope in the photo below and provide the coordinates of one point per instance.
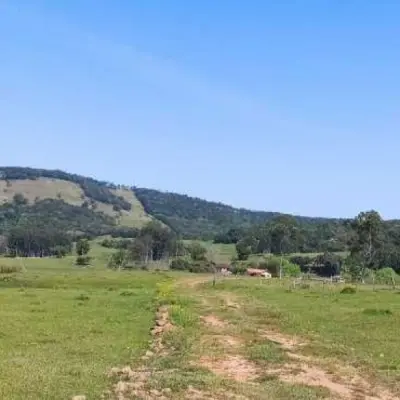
(112, 205)
(36, 185)
(193, 217)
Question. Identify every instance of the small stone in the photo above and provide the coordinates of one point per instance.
(167, 391)
(149, 353)
(126, 371)
(79, 397)
(157, 330)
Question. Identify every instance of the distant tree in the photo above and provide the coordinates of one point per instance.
(19, 199)
(244, 249)
(117, 208)
(197, 251)
(283, 236)
(367, 240)
(82, 247)
(118, 259)
(3, 244)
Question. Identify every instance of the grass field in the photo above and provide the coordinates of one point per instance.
(64, 327)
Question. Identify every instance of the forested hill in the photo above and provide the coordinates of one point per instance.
(70, 202)
(194, 217)
(73, 201)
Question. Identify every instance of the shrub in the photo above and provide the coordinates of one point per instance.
(201, 267)
(348, 290)
(238, 269)
(197, 251)
(180, 264)
(386, 276)
(9, 269)
(83, 260)
(291, 270)
(117, 259)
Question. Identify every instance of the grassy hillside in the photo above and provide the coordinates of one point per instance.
(117, 202)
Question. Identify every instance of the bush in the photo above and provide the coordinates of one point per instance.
(201, 267)
(238, 269)
(197, 251)
(83, 260)
(386, 276)
(180, 264)
(292, 270)
(117, 259)
(9, 269)
(348, 290)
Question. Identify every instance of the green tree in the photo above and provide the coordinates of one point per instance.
(367, 239)
(284, 232)
(82, 247)
(245, 247)
(19, 199)
(197, 251)
(118, 259)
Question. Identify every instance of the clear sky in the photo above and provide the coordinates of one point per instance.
(289, 106)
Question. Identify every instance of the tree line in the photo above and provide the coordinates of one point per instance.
(366, 242)
(50, 226)
(194, 218)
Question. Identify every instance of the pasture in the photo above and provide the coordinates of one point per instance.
(64, 327)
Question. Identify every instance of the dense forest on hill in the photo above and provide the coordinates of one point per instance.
(93, 189)
(196, 218)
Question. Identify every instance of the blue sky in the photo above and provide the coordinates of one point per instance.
(285, 106)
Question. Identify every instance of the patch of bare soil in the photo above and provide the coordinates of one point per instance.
(345, 383)
(213, 321)
(134, 383)
(285, 341)
(222, 341)
(231, 366)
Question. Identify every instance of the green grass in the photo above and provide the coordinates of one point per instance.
(63, 326)
(360, 328)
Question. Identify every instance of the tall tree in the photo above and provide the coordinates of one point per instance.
(367, 240)
(82, 247)
(284, 232)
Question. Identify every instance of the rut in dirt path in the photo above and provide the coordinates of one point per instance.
(345, 383)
